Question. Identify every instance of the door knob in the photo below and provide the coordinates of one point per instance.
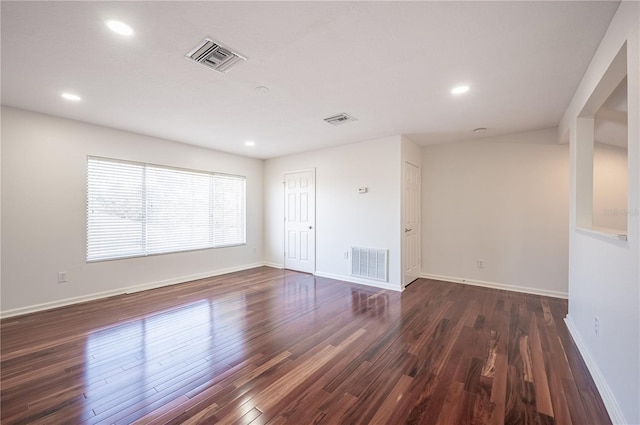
(310, 227)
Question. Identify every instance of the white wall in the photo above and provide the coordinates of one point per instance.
(503, 200)
(343, 217)
(604, 274)
(411, 152)
(610, 187)
(44, 212)
(0, 217)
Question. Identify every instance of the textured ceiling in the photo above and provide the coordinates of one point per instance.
(389, 64)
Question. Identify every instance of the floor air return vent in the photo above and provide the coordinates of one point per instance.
(369, 263)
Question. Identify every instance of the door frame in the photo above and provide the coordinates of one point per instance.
(284, 217)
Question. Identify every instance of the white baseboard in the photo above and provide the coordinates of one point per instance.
(494, 285)
(351, 279)
(126, 290)
(610, 402)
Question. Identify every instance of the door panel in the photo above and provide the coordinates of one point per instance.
(292, 245)
(300, 221)
(411, 233)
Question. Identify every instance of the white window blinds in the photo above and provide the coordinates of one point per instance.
(136, 209)
(228, 209)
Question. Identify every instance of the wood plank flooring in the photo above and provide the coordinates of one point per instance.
(268, 346)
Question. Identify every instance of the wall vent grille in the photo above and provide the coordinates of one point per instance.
(213, 55)
(340, 119)
(369, 263)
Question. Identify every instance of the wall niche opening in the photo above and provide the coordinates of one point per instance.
(602, 159)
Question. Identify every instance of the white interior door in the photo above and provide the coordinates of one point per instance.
(299, 221)
(411, 233)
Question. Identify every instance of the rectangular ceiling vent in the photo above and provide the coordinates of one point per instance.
(340, 119)
(211, 54)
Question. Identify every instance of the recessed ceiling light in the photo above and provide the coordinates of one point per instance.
(262, 89)
(249, 143)
(479, 130)
(459, 89)
(71, 96)
(119, 27)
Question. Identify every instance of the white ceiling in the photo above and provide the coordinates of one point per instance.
(389, 64)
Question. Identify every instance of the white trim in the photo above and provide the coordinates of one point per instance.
(610, 402)
(495, 285)
(126, 290)
(351, 279)
(273, 265)
(604, 232)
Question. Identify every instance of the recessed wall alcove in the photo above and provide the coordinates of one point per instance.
(602, 160)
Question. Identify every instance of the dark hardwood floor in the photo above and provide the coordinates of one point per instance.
(268, 346)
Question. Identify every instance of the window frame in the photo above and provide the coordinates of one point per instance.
(144, 166)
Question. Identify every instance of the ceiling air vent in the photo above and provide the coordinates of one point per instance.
(210, 53)
(340, 119)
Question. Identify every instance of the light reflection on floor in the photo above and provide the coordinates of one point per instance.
(194, 341)
(369, 303)
(198, 341)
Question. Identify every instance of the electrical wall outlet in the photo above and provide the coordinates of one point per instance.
(480, 264)
(596, 325)
(62, 277)
(346, 255)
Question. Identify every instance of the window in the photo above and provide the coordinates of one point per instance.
(136, 209)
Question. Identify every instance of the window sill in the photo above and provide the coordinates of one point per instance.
(616, 234)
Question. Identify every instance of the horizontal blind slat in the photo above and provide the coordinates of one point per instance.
(115, 207)
(136, 209)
